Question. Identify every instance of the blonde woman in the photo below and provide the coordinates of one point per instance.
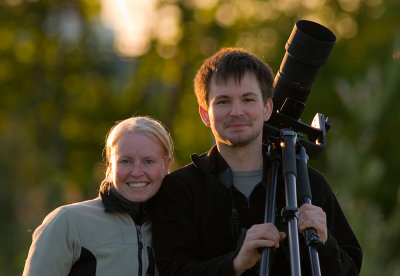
(111, 234)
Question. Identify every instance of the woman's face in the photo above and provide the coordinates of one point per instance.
(138, 166)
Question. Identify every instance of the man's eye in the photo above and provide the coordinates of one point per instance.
(124, 162)
(249, 100)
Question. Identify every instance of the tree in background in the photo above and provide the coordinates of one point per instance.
(68, 72)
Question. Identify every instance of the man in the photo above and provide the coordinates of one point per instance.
(209, 217)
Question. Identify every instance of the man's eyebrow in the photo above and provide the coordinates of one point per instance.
(222, 97)
(219, 98)
(249, 94)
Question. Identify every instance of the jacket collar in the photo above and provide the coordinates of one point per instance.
(212, 163)
(115, 202)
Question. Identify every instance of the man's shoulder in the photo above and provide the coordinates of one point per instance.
(316, 177)
(192, 177)
(186, 174)
(320, 188)
(201, 165)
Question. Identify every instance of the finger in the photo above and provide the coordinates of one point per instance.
(316, 221)
(310, 210)
(302, 227)
(265, 231)
(305, 224)
(260, 244)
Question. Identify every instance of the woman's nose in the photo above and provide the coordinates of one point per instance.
(137, 170)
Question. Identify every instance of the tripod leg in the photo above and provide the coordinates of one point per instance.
(304, 194)
(288, 145)
(270, 206)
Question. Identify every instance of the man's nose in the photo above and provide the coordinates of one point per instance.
(237, 108)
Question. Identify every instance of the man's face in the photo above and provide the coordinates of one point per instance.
(236, 112)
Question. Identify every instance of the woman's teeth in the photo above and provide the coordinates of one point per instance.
(137, 185)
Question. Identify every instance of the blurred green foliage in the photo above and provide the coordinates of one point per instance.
(64, 84)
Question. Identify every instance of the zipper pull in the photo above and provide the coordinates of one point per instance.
(139, 235)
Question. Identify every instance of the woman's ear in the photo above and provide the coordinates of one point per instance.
(109, 170)
(166, 167)
(204, 116)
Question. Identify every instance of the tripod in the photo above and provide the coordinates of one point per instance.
(288, 152)
(307, 49)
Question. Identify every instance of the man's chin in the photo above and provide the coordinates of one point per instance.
(240, 141)
(240, 144)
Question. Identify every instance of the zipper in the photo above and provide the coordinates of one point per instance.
(150, 271)
(140, 247)
(248, 202)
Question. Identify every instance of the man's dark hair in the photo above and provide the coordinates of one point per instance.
(231, 62)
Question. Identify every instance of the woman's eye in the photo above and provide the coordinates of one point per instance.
(149, 161)
(124, 161)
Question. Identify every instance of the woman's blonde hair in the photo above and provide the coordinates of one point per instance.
(145, 125)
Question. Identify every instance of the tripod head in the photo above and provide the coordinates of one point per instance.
(316, 132)
(307, 49)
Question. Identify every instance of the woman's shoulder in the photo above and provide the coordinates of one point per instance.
(76, 210)
(87, 204)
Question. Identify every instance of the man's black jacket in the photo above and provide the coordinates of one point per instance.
(194, 231)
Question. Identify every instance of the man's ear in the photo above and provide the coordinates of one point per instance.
(204, 116)
(268, 108)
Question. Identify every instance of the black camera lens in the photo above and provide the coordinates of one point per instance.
(307, 49)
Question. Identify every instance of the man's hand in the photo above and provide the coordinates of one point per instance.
(258, 236)
(311, 216)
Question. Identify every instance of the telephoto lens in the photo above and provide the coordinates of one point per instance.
(307, 49)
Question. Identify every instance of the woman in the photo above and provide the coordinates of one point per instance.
(111, 234)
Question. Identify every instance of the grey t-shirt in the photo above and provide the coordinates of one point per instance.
(245, 181)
